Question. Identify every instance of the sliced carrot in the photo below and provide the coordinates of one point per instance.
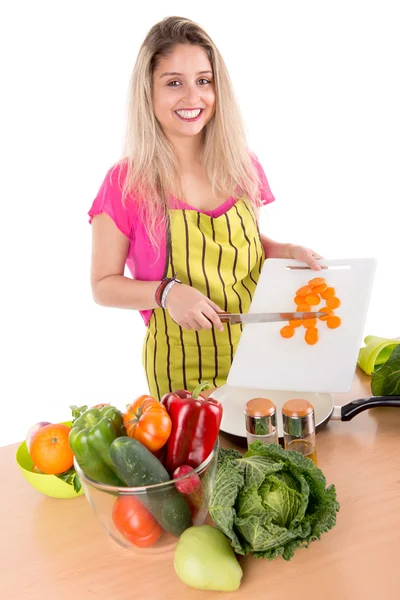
(295, 323)
(318, 289)
(299, 299)
(333, 302)
(328, 293)
(303, 308)
(313, 299)
(316, 281)
(304, 291)
(309, 323)
(287, 331)
(311, 336)
(333, 322)
(325, 309)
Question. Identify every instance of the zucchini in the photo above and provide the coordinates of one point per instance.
(138, 467)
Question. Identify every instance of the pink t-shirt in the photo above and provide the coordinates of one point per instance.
(144, 262)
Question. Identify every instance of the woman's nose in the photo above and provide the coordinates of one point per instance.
(192, 94)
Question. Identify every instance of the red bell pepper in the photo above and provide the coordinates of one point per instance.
(195, 427)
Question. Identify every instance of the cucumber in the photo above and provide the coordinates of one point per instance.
(138, 467)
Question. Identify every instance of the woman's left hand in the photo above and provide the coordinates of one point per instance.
(305, 255)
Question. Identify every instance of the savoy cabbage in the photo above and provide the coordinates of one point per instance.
(270, 502)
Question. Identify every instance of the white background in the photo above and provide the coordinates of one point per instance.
(318, 86)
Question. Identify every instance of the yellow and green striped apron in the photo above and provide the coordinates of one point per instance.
(221, 257)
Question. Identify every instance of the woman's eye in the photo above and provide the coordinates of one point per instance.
(204, 81)
(173, 84)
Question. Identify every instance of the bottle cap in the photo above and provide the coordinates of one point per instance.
(297, 408)
(260, 416)
(260, 407)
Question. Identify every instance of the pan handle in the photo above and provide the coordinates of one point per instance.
(350, 410)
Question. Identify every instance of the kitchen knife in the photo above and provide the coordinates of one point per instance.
(234, 318)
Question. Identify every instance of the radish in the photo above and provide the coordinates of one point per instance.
(188, 485)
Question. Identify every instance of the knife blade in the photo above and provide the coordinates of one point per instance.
(234, 318)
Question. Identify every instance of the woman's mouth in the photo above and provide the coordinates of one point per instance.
(189, 115)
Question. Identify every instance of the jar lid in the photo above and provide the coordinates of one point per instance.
(297, 407)
(260, 407)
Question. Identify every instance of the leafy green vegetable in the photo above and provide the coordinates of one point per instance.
(386, 380)
(376, 352)
(72, 478)
(77, 411)
(270, 502)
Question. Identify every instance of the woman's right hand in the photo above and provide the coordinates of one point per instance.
(191, 309)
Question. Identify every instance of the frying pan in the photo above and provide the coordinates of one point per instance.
(234, 399)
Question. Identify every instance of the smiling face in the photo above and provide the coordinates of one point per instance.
(183, 91)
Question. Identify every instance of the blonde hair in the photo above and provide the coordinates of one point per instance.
(152, 174)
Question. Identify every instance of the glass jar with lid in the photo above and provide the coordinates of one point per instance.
(299, 427)
(260, 419)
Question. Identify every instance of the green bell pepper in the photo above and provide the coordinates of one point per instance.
(90, 438)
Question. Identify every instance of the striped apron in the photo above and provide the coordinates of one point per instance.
(221, 257)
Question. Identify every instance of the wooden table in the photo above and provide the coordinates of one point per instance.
(56, 550)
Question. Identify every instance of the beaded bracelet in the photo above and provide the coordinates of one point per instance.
(166, 291)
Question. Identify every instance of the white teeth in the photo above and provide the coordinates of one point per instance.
(189, 114)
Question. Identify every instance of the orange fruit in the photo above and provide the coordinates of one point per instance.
(50, 449)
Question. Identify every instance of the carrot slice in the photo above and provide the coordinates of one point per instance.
(325, 309)
(311, 336)
(316, 281)
(328, 293)
(295, 323)
(313, 299)
(309, 323)
(333, 322)
(303, 308)
(304, 291)
(333, 302)
(287, 331)
(318, 289)
(299, 299)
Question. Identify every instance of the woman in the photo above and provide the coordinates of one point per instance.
(183, 202)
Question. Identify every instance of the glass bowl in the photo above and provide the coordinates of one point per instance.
(150, 519)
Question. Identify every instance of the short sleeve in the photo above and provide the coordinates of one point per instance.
(109, 201)
(265, 191)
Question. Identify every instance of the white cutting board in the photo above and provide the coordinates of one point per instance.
(266, 360)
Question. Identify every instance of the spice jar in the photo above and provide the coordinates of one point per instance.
(299, 427)
(260, 418)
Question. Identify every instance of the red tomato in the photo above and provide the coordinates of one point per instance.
(135, 522)
(148, 421)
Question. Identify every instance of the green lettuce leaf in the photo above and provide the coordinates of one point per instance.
(386, 380)
(270, 502)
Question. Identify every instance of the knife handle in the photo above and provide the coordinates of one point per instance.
(224, 316)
